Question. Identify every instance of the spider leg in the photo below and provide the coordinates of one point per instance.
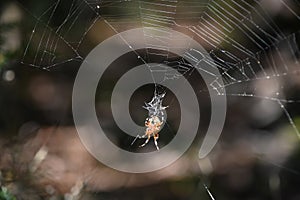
(146, 141)
(138, 136)
(156, 136)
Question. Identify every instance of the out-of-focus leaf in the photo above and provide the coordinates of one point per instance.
(5, 195)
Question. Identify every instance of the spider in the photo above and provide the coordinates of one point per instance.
(154, 122)
(153, 126)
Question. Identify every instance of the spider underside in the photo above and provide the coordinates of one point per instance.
(154, 122)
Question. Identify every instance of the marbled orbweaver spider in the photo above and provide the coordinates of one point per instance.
(156, 118)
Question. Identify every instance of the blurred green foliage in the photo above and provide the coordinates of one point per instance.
(5, 195)
(4, 54)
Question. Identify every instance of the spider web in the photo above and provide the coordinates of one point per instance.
(242, 38)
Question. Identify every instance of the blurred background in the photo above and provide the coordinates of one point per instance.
(255, 45)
